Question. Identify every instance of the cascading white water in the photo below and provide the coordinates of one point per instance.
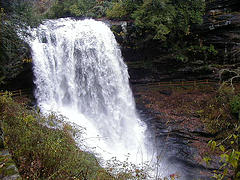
(79, 72)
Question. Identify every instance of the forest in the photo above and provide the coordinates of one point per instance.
(168, 22)
(194, 38)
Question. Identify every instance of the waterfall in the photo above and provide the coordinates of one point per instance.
(79, 73)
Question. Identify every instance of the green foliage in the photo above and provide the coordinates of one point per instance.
(155, 16)
(121, 10)
(166, 18)
(204, 50)
(12, 48)
(167, 21)
(229, 156)
(78, 8)
(60, 8)
(43, 147)
(160, 19)
(235, 105)
(219, 119)
(82, 7)
(15, 16)
(118, 11)
(197, 52)
(188, 12)
(100, 9)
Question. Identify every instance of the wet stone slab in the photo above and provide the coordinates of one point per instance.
(8, 169)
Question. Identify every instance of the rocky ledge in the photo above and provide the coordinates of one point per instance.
(221, 28)
(8, 169)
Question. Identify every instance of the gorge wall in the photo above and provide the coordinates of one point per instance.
(221, 27)
(149, 61)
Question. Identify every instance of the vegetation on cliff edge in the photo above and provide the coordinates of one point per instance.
(15, 17)
(45, 148)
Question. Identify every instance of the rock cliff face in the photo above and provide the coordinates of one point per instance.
(221, 28)
(24, 80)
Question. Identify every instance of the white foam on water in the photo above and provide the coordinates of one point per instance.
(79, 73)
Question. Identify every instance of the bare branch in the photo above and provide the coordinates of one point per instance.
(235, 75)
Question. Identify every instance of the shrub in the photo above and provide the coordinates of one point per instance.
(228, 156)
(117, 11)
(78, 8)
(217, 115)
(235, 105)
(218, 119)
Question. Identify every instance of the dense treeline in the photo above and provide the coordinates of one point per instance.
(169, 22)
(167, 25)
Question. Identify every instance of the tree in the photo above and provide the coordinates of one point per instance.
(165, 19)
(16, 16)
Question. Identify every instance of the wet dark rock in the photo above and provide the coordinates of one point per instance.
(1, 139)
(221, 28)
(24, 80)
(8, 170)
(204, 134)
(166, 92)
